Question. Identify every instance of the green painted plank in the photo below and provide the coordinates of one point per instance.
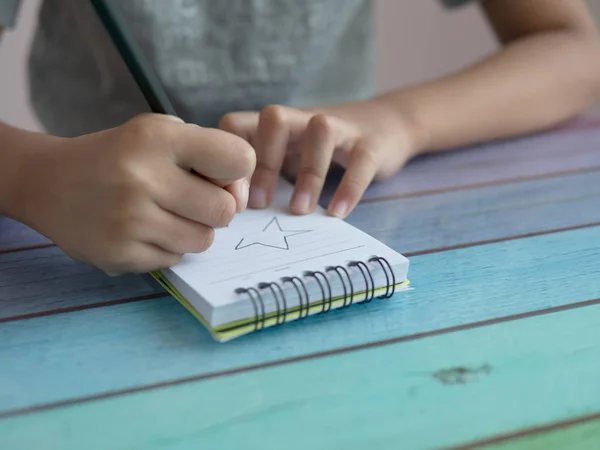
(45, 279)
(582, 436)
(87, 353)
(434, 392)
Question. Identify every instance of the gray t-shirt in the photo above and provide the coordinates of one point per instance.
(212, 57)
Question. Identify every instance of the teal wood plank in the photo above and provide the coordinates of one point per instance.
(35, 281)
(434, 392)
(495, 162)
(46, 280)
(93, 352)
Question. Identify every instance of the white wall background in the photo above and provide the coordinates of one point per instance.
(418, 40)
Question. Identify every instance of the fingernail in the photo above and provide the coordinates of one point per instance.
(301, 203)
(340, 209)
(244, 194)
(258, 197)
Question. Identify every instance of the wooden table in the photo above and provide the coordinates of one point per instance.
(497, 345)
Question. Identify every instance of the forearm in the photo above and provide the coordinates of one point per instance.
(18, 148)
(532, 84)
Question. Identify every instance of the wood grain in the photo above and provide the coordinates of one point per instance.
(435, 392)
(136, 345)
(419, 224)
(41, 280)
(46, 281)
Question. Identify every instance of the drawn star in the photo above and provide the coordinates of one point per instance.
(271, 236)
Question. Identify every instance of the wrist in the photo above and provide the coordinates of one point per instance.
(405, 118)
(21, 153)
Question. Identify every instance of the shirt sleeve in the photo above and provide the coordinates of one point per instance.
(8, 12)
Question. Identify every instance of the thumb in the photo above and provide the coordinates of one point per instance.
(240, 189)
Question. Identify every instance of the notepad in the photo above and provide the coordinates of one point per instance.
(270, 267)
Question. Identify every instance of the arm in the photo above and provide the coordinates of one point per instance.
(118, 199)
(548, 71)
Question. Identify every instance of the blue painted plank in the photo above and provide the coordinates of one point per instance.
(14, 235)
(532, 156)
(87, 353)
(435, 392)
(38, 280)
(45, 279)
(418, 224)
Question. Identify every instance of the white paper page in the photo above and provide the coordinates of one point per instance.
(265, 245)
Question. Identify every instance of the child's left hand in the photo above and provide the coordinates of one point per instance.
(371, 140)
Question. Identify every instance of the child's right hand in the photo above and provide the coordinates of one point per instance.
(125, 200)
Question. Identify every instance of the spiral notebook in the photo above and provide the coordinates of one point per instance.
(269, 267)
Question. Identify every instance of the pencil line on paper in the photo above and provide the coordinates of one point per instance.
(284, 265)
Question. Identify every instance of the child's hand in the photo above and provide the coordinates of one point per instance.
(125, 199)
(369, 139)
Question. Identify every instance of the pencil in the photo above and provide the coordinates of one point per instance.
(132, 55)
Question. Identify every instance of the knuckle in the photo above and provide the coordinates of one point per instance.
(322, 124)
(353, 184)
(369, 157)
(311, 172)
(274, 115)
(267, 168)
(141, 126)
(145, 131)
(228, 123)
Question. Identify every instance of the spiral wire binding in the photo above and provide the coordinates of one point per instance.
(280, 300)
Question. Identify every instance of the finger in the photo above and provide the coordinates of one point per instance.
(361, 170)
(323, 134)
(142, 258)
(213, 154)
(243, 124)
(175, 234)
(240, 189)
(316, 150)
(195, 198)
(277, 125)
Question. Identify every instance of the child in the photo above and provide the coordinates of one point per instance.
(112, 186)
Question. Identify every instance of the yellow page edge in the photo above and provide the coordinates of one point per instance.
(241, 327)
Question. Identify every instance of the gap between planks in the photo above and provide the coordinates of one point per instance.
(529, 432)
(407, 254)
(283, 361)
(118, 301)
(465, 187)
